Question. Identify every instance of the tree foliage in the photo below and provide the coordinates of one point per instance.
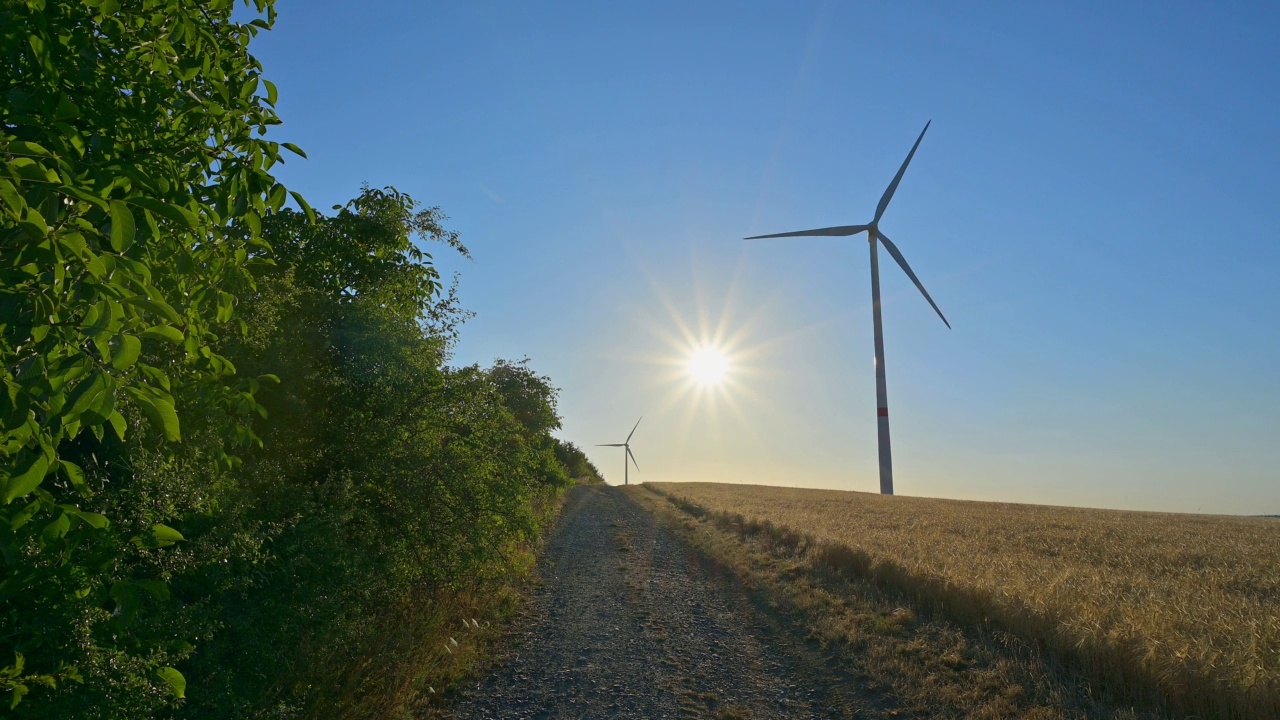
(577, 464)
(386, 476)
(136, 175)
(228, 431)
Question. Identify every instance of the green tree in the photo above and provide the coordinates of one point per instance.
(136, 178)
(576, 462)
(156, 300)
(387, 479)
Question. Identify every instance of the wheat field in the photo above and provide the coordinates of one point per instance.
(1180, 610)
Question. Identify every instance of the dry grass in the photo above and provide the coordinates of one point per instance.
(413, 653)
(416, 652)
(903, 664)
(1181, 612)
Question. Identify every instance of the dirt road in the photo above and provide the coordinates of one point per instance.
(630, 622)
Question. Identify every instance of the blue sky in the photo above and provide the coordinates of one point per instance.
(1094, 208)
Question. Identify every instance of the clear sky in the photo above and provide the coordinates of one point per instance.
(1096, 208)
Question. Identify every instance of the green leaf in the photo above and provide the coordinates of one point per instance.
(139, 270)
(122, 226)
(22, 147)
(254, 222)
(166, 534)
(276, 197)
(125, 350)
(11, 197)
(159, 536)
(179, 215)
(76, 476)
(159, 410)
(87, 394)
(152, 226)
(74, 242)
(167, 333)
(306, 208)
(293, 148)
(93, 264)
(156, 376)
(226, 306)
(156, 307)
(72, 137)
(57, 529)
(83, 196)
(272, 95)
(174, 680)
(118, 424)
(94, 520)
(249, 87)
(21, 517)
(28, 473)
(33, 222)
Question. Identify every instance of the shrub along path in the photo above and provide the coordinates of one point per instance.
(629, 621)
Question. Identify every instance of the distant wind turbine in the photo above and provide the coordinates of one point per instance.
(873, 234)
(626, 453)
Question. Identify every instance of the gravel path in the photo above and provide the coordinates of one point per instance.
(630, 622)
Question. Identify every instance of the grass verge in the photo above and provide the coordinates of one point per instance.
(413, 654)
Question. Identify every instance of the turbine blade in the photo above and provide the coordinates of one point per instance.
(633, 429)
(840, 231)
(897, 255)
(633, 459)
(612, 445)
(893, 186)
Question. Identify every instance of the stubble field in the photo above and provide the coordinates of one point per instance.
(1179, 611)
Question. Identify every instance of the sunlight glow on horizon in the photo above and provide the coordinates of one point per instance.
(716, 356)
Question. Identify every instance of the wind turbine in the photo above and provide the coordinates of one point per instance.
(873, 235)
(627, 452)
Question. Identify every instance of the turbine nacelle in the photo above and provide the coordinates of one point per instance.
(626, 452)
(874, 227)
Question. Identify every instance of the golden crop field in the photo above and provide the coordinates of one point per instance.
(1183, 606)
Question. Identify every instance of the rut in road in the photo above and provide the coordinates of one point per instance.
(629, 621)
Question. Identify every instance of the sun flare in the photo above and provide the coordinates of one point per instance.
(708, 366)
(712, 358)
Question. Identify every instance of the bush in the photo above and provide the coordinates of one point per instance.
(235, 464)
(580, 468)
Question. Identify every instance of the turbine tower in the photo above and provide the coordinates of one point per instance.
(626, 453)
(875, 238)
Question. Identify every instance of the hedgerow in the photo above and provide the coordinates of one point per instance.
(235, 461)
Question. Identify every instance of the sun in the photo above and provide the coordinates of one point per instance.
(714, 346)
(708, 366)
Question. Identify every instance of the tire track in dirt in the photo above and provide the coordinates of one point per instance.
(629, 621)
